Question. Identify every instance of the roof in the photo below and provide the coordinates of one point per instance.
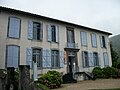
(44, 17)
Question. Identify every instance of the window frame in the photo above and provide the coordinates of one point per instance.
(9, 27)
(85, 61)
(57, 58)
(40, 57)
(7, 54)
(40, 28)
(81, 37)
(93, 41)
(96, 59)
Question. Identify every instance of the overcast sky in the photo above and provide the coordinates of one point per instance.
(99, 14)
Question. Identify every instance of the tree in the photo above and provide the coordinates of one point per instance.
(114, 56)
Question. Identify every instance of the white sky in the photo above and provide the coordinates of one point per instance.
(99, 14)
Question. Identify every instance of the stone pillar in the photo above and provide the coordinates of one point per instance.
(24, 77)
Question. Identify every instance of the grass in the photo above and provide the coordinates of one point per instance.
(107, 89)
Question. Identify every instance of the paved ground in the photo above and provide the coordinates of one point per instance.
(89, 84)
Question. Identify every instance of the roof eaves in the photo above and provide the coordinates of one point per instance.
(40, 16)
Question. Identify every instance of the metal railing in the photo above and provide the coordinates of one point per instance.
(71, 45)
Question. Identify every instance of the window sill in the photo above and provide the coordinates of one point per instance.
(36, 40)
(13, 38)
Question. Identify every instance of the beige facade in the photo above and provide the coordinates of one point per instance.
(23, 42)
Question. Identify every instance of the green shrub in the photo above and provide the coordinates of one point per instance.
(52, 79)
(118, 65)
(97, 72)
(106, 72)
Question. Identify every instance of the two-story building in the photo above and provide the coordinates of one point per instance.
(49, 44)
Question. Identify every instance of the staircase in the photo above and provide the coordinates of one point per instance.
(87, 75)
(68, 78)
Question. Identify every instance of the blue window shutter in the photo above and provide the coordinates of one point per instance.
(61, 57)
(99, 59)
(30, 29)
(93, 40)
(101, 42)
(9, 56)
(12, 56)
(91, 60)
(48, 61)
(15, 56)
(83, 38)
(106, 61)
(57, 34)
(49, 33)
(44, 58)
(29, 57)
(14, 27)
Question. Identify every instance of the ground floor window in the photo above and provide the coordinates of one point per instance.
(37, 57)
(12, 56)
(85, 58)
(54, 58)
(96, 59)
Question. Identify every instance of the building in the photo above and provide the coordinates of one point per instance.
(49, 44)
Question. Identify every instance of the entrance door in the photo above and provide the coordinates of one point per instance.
(71, 63)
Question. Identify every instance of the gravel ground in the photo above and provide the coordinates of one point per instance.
(89, 84)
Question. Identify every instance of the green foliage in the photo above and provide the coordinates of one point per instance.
(118, 65)
(39, 85)
(97, 71)
(52, 79)
(106, 72)
(16, 79)
(114, 56)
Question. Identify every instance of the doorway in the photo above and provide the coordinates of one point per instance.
(71, 64)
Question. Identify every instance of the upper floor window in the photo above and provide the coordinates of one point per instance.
(12, 56)
(35, 30)
(53, 34)
(70, 35)
(14, 27)
(93, 40)
(83, 38)
(102, 41)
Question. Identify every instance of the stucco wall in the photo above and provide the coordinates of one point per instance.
(24, 43)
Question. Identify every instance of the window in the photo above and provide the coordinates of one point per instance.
(102, 41)
(37, 57)
(70, 36)
(85, 59)
(35, 30)
(12, 56)
(14, 27)
(52, 33)
(55, 59)
(93, 40)
(105, 58)
(83, 38)
(96, 59)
